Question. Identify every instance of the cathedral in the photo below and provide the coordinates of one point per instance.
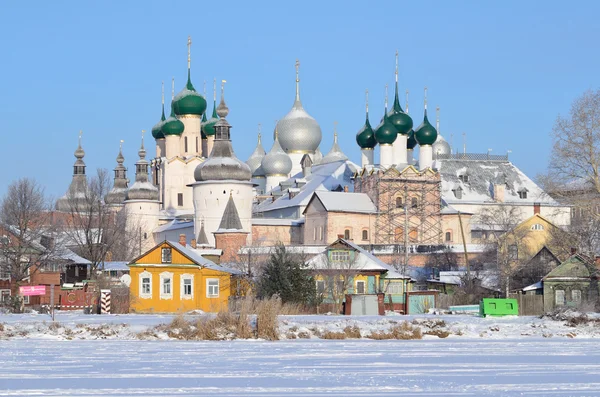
(421, 196)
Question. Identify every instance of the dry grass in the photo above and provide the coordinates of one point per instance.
(1, 327)
(333, 335)
(250, 304)
(352, 332)
(267, 322)
(303, 335)
(440, 333)
(404, 331)
(54, 326)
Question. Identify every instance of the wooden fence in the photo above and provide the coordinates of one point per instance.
(529, 305)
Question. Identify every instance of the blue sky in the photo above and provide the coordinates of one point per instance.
(501, 73)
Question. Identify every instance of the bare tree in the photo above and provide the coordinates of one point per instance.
(335, 272)
(505, 240)
(26, 231)
(94, 230)
(573, 175)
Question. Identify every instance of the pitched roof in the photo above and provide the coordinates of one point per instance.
(345, 202)
(365, 261)
(323, 177)
(202, 239)
(482, 175)
(231, 218)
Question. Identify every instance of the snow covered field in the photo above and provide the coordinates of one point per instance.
(491, 357)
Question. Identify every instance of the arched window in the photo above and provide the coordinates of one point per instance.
(448, 236)
(347, 234)
(365, 234)
(414, 203)
(399, 202)
(185, 144)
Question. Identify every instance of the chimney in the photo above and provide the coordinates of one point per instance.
(193, 243)
(340, 236)
(182, 239)
(499, 192)
(346, 189)
(536, 208)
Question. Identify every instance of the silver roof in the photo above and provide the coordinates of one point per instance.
(142, 189)
(441, 147)
(256, 157)
(118, 193)
(277, 161)
(335, 154)
(298, 130)
(222, 164)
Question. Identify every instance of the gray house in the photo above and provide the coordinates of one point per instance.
(570, 284)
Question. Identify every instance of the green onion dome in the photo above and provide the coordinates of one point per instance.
(426, 134)
(208, 127)
(366, 137)
(385, 133)
(189, 101)
(401, 120)
(411, 142)
(172, 125)
(157, 129)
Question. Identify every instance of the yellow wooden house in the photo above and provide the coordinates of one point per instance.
(171, 278)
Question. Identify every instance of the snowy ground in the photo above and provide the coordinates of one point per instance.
(514, 356)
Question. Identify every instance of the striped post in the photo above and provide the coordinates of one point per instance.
(105, 301)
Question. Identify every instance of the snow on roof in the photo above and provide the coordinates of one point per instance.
(324, 177)
(346, 202)
(114, 266)
(488, 279)
(68, 255)
(175, 224)
(277, 222)
(364, 261)
(533, 287)
(199, 259)
(482, 175)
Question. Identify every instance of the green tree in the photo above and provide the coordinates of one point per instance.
(287, 275)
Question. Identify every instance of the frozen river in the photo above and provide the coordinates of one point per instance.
(433, 367)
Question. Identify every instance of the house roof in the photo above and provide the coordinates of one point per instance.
(191, 255)
(574, 268)
(115, 266)
(488, 279)
(344, 202)
(365, 261)
(323, 177)
(482, 175)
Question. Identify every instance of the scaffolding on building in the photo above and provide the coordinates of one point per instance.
(409, 209)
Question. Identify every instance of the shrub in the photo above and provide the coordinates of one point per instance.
(403, 331)
(333, 335)
(352, 332)
(54, 326)
(267, 323)
(303, 335)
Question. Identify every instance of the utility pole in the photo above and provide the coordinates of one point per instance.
(462, 233)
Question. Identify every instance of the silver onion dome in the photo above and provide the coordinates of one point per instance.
(317, 157)
(298, 131)
(142, 189)
(335, 154)
(222, 163)
(117, 194)
(256, 157)
(277, 161)
(441, 147)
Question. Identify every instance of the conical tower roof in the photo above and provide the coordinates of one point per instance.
(335, 154)
(142, 189)
(75, 198)
(257, 155)
(231, 219)
(117, 194)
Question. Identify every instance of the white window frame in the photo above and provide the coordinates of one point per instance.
(364, 287)
(162, 255)
(537, 227)
(5, 275)
(26, 300)
(182, 293)
(164, 276)
(210, 288)
(3, 293)
(340, 256)
(143, 275)
(561, 293)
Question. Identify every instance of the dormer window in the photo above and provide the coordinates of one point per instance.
(537, 226)
(166, 255)
(464, 178)
(522, 193)
(458, 192)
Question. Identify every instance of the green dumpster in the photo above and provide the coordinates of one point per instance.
(498, 307)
